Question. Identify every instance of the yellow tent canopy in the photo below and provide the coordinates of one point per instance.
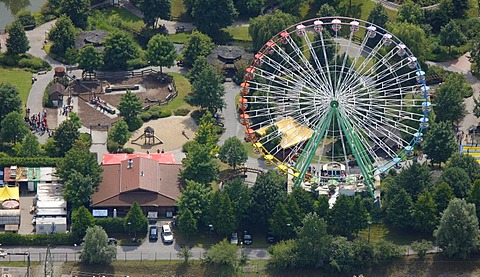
(293, 132)
(9, 193)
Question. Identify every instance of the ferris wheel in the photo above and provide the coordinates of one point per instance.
(332, 98)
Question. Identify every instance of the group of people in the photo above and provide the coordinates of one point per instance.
(37, 122)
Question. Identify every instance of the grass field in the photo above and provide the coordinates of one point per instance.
(401, 237)
(239, 33)
(19, 78)
(114, 19)
(180, 38)
(184, 88)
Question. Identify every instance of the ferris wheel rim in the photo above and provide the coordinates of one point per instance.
(343, 21)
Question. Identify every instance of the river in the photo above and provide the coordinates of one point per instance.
(8, 9)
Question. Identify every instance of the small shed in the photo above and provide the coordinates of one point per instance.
(57, 91)
(94, 37)
(226, 56)
(59, 71)
(50, 225)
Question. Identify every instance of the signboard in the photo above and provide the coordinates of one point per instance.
(100, 213)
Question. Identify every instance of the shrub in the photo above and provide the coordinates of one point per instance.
(128, 150)
(85, 137)
(112, 146)
(135, 124)
(30, 162)
(145, 116)
(112, 225)
(188, 145)
(165, 113)
(136, 63)
(181, 112)
(30, 240)
(9, 60)
(46, 99)
(34, 64)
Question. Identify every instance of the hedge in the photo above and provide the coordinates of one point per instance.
(30, 162)
(30, 240)
(112, 225)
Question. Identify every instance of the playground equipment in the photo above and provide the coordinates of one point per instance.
(149, 137)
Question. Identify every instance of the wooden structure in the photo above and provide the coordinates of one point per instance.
(57, 91)
(149, 137)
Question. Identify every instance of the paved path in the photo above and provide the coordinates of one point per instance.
(395, 7)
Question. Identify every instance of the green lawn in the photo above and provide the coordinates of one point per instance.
(19, 78)
(401, 237)
(239, 33)
(114, 19)
(184, 88)
(180, 38)
(178, 11)
(359, 9)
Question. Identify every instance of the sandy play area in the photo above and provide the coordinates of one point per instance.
(169, 130)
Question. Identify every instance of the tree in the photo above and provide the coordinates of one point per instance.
(30, 147)
(249, 8)
(348, 216)
(25, 18)
(222, 253)
(233, 153)
(268, 190)
(96, 249)
(448, 100)
(458, 233)
(79, 159)
(452, 35)
(207, 133)
(424, 213)
(378, 16)
(473, 196)
(283, 255)
(17, 41)
(294, 211)
(136, 222)
(467, 163)
(399, 209)
(208, 91)
(457, 179)
(439, 143)
(442, 194)
(200, 63)
(187, 224)
(65, 136)
(153, 10)
(185, 253)
(89, 59)
(82, 219)
(195, 197)
(414, 179)
(413, 36)
(221, 214)
(304, 199)
(421, 247)
(13, 128)
(240, 196)
(326, 10)
(280, 224)
(119, 49)
(77, 11)
(264, 27)
(290, 6)
(313, 241)
(321, 206)
(63, 35)
(212, 15)
(410, 12)
(199, 165)
(130, 106)
(197, 45)
(455, 8)
(119, 133)
(9, 100)
(160, 51)
(78, 189)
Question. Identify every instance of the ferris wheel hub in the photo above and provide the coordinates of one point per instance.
(334, 103)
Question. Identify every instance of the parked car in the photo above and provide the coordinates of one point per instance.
(247, 238)
(112, 241)
(153, 233)
(234, 238)
(270, 238)
(167, 235)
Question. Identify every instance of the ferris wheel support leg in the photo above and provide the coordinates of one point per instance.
(308, 152)
(359, 152)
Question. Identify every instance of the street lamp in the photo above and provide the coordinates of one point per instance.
(369, 227)
(210, 230)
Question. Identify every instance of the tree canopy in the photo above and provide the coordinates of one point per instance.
(212, 15)
(220, 214)
(457, 178)
(153, 10)
(63, 35)
(378, 16)
(233, 153)
(17, 41)
(30, 147)
(424, 213)
(413, 36)
(449, 105)
(119, 49)
(241, 198)
(467, 163)
(264, 27)
(439, 143)
(199, 165)
(9, 100)
(13, 128)
(207, 90)
(66, 134)
(130, 106)
(410, 12)
(269, 190)
(195, 197)
(414, 179)
(119, 133)
(90, 59)
(77, 10)
(96, 249)
(197, 45)
(458, 234)
(161, 52)
(82, 219)
(136, 222)
(452, 35)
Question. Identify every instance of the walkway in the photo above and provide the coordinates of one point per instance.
(395, 7)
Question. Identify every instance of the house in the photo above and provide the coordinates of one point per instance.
(57, 91)
(148, 179)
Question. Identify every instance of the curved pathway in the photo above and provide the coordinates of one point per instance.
(395, 7)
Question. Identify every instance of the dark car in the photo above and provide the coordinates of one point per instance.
(270, 238)
(153, 233)
(247, 238)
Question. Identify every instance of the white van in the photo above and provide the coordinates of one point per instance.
(167, 235)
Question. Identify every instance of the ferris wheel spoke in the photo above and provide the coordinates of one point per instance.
(323, 76)
(345, 57)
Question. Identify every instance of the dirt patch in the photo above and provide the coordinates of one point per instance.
(155, 90)
(174, 131)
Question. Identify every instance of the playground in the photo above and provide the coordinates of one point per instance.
(90, 92)
(173, 131)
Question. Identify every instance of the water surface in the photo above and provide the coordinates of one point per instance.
(8, 9)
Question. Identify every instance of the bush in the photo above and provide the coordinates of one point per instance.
(135, 124)
(136, 63)
(46, 96)
(181, 112)
(34, 64)
(85, 137)
(9, 60)
(112, 146)
(112, 225)
(43, 240)
(145, 116)
(154, 113)
(128, 150)
(29, 162)
(165, 113)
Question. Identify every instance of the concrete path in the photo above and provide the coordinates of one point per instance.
(395, 7)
